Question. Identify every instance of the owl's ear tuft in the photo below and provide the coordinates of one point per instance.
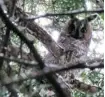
(91, 17)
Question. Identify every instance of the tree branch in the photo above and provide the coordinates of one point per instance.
(5, 44)
(75, 12)
(41, 34)
(46, 71)
(57, 69)
(53, 68)
(60, 90)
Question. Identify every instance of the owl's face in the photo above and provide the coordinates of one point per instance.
(78, 28)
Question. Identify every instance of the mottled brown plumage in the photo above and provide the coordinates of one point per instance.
(74, 41)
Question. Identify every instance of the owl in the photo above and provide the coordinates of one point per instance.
(74, 41)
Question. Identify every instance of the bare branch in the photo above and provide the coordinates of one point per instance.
(38, 74)
(81, 65)
(75, 12)
(5, 44)
(60, 90)
(40, 34)
(57, 69)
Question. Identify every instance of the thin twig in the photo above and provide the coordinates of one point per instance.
(75, 12)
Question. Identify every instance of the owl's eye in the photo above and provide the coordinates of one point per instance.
(83, 30)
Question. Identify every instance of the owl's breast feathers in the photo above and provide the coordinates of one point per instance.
(74, 49)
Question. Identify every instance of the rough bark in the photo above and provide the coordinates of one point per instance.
(60, 90)
(50, 44)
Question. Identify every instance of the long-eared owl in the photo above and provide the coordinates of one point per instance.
(75, 40)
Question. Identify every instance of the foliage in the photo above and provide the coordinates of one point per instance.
(41, 88)
(94, 77)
